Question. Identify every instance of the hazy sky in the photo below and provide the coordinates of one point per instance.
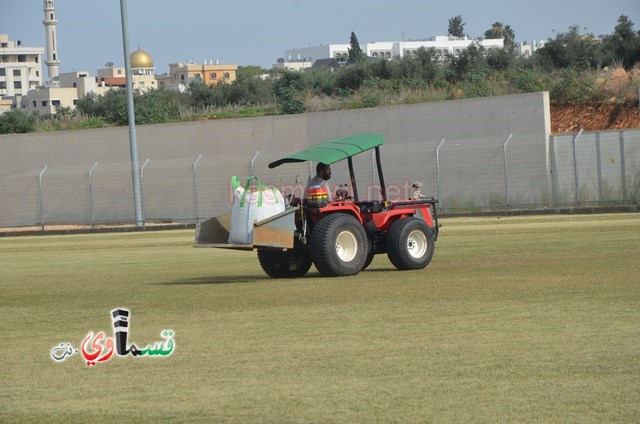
(258, 32)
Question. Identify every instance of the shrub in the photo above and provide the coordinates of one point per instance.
(16, 122)
(572, 86)
(289, 102)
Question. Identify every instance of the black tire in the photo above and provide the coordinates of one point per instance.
(410, 244)
(338, 245)
(289, 264)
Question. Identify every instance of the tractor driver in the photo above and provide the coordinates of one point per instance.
(323, 175)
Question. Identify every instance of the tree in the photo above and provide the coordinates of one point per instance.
(470, 59)
(624, 44)
(355, 51)
(456, 26)
(571, 50)
(499, 30)
(286, 89)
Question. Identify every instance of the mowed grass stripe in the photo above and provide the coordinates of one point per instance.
(516, 319)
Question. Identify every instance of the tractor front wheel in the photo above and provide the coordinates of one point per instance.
(410, 244)
(288, 264)
(338, 245)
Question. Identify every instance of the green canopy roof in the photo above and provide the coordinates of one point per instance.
(334, 150)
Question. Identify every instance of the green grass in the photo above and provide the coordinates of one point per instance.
(524, 319)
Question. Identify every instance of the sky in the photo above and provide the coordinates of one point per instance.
(258, 32)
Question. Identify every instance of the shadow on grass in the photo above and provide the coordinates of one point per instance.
(228, 279)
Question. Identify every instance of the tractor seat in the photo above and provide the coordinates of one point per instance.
(370, 206)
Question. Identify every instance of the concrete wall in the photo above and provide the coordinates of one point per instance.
(471, 159)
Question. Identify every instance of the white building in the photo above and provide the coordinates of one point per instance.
(527, 50)
(20, 67)
(310, 54)
(443, 45)
(292, 66)
(71, 87)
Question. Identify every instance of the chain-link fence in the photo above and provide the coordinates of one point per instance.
(509, 173)
(600, 168)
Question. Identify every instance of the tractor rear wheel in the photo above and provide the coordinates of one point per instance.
(410, 244)
(338, 245)
(288, 264)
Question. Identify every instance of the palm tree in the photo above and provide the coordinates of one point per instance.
(499, 30)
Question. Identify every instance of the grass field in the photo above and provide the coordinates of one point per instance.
(525, 319)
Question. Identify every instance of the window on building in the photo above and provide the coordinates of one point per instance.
(2, 72)
(213, 75)
(75, 84)
(197, 76)
(226, 75)
(119, 71)
(37, 59)
(55, 102)
(5, 45)
(17, 84)
(35, 104)
(182, 77)
(51, 16)
(44, 103)
(375, 54)
(22, 58)
(16, 72)
(75, 102)
(3, 85)
(37, 73)
(338, 55)
(54, 56)
(388, 55)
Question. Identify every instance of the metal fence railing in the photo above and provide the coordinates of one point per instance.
(513, 172)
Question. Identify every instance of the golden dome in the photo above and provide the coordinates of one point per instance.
(141, 59)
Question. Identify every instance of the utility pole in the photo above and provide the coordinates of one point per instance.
(133, 142)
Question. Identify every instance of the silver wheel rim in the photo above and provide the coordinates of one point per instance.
(417, 244)
(346, 246)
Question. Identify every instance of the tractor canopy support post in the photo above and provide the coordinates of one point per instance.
(383, 187)
(353, 179)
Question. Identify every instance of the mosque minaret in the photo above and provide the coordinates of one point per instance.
(50, 22)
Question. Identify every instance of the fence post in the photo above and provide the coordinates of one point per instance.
(438, 167)
(93, 222)
(554, 177)
(599, 167)
(623, 170)
(253, 159)
(146, 162)
(575, 166)
(506, 171)
(195, 186)
(373, 171)
(41, 196)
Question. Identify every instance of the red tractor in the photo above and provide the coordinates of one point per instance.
(340, 237)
